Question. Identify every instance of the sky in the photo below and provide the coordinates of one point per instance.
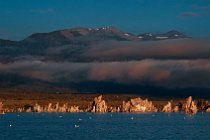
(20, 18)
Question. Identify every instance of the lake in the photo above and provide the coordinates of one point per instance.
(112, 126)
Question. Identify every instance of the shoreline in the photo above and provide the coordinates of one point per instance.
(98, 104)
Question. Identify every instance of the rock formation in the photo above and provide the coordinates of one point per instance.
(1, 108)
(74, 109)
(98, 105)
(167, 107)
(63, 108)
(190, 106)
(38, 108)
(49, 108)
(208, 110)
(52, 108)
(202, 105)
(176, 109)
(138, 105)
(114, 109)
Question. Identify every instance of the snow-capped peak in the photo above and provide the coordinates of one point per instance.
(149, 34)
(126, 34)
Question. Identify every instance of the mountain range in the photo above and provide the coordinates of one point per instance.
(89, 35)
(71, 44)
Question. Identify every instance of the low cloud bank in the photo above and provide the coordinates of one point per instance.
(167, 49)
(166, 73)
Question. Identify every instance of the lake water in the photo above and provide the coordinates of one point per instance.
(112, 126)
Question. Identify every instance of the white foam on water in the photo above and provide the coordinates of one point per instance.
(76, 126)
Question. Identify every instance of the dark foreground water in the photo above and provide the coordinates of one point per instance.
(112, 126)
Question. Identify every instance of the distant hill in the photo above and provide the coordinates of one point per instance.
(78, 36)
(7, 42)
(173, 34)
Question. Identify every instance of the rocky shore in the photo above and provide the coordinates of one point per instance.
(98, 105)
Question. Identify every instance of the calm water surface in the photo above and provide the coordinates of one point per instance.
(112, 126)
